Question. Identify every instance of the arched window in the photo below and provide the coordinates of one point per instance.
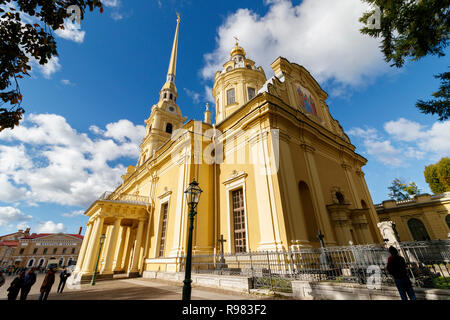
(61, 262)
(169, 128)
(165, 95)
(229, 68)
(418, 230)
(363, 204)
(171, 96)
(340, 197)
(308, 211)
(41, 262)
(447, 219)
(30, 263)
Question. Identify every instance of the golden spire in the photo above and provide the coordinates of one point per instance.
(173, 58)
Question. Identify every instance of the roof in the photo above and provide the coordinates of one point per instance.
(40, 235)
(9, 243)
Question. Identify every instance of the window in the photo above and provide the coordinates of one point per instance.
(363, 204)
(418, 230)
(171, 97)
(21, 251)
(35, 250)
(249, 66)
(340, 197)
(45, 251)
(231, 98)
(162, 240)
(73, 250)
(229, 68)
(169, 128)
(64, 251)
(54, 250)
(251, 93)
(240, 244)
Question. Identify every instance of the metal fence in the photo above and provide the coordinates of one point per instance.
(428, 265)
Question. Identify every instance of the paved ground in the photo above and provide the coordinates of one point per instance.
(130, 289)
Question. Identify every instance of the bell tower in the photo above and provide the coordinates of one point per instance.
(237, 83)
(166, 115)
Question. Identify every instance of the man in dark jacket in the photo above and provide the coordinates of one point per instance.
(62, 280)
(47, 284)
(15, 286)
(30, 279)
(396, 266)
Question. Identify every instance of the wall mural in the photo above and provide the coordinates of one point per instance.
(306, 100)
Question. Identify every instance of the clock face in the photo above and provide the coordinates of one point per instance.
(171, 109)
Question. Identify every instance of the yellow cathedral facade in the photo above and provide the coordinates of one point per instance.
(274, 167)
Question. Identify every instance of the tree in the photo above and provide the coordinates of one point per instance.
(399, 190)
(26, 38)
(413, 29)
(438, 176)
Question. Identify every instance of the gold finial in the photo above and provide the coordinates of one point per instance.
(178, 17)
(237, 41)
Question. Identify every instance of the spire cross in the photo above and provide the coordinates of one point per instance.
(237, 41)
(178, 17)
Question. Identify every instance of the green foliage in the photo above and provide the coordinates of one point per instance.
(441, 282)
(441, 104)
(399, 190)
(22, 39)
(438, 176)
(414, 29)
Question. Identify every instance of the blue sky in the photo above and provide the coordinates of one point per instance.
(86, 109)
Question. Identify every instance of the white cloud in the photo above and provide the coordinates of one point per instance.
(321, 35)
(67, 82)
(75, 213)
(72, 31)
(9, 215)
(111, 3)
(51, 67)
(208, 94)
(116, 15)
(407, 139)
(50, 227)
(195, 96)
(54, 163)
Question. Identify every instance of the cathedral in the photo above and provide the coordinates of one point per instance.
(274, 167)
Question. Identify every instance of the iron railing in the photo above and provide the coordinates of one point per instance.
(124, 198)
(428, 265)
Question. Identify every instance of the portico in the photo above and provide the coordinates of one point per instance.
(123, 220)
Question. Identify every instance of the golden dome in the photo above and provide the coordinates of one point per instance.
(237, 50)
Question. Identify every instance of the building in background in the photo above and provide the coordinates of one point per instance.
(423, 217)
(275, 168)
(25, 250)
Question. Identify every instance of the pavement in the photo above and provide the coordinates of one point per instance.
(130, 289)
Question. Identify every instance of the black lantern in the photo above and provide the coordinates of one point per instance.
(193, 194)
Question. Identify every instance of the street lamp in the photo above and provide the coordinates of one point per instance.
(192, 197)
(102, 240)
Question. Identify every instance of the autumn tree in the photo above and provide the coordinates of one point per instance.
(438, 176)
(26, 32)
(399, 190)
(412, 29)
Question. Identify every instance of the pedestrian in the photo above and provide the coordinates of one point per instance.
(30, 279)
(62, 280)
(15, 286)
(396, 266)
(47, 284)
(2, 278)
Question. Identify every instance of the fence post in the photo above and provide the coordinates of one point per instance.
(270, 272)
(251, 263)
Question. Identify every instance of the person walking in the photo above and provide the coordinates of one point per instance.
(396, 266)
(47, 284)
(30, 279)
(2, 278)
(15, 286)
(62, 280)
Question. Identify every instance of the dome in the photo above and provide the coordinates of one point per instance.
(237, 50)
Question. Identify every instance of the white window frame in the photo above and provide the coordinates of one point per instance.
(231, 184)
(164, 199)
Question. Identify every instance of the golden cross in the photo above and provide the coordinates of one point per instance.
(237, 40)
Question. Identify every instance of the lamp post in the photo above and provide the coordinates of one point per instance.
(102, 240)
(192, 197)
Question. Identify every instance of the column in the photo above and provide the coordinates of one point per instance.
(119, 253)
(92, 253)
(111, 246)
(84, 245)
(317, 195)
(137, 248)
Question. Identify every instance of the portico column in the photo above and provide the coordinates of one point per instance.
(88, 265)
(137, 248)
(84, 245)
(111, 246)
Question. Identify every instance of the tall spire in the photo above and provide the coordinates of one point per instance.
(171, 73)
